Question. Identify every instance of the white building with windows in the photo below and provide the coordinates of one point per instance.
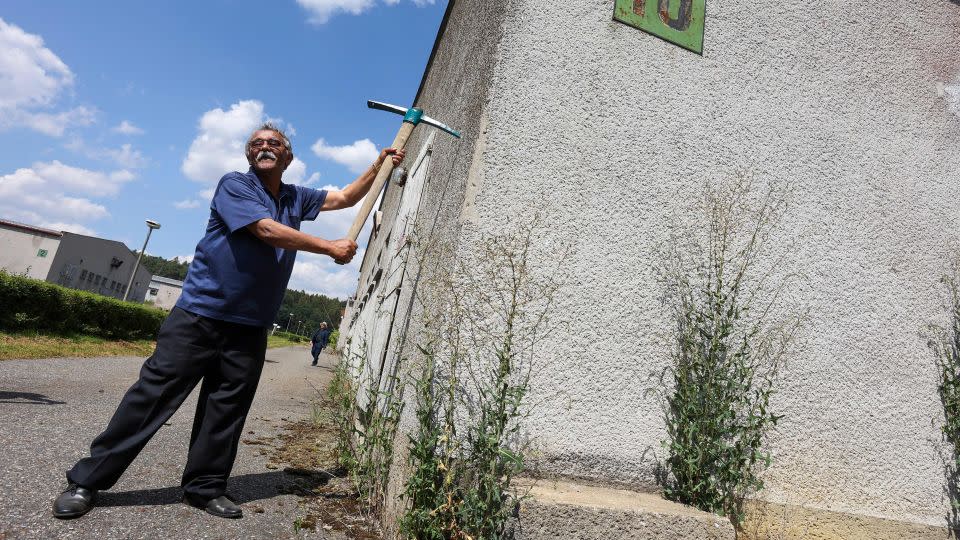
(72, 260)
(163, 292)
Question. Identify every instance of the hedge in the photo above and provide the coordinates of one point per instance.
(30, 304)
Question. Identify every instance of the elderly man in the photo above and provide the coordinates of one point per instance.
(218, 330)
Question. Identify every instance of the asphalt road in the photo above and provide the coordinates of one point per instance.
(51, 409)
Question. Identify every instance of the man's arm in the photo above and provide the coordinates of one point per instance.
(352, 194)
(279, 235)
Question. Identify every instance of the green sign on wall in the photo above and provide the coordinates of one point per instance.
(677, 21)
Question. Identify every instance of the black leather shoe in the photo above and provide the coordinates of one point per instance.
(220, 507)
(74, 502)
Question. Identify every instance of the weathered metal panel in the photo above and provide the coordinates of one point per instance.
(677, 21)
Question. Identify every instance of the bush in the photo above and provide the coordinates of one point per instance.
(486, 316)
(31, 304)
(730, 342)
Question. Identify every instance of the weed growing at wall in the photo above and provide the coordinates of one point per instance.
(485, 317)
(366, 421)
(945, 343)
(728, 348)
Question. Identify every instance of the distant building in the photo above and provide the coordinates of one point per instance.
(72, 260)
(164, 292)
(27, 250)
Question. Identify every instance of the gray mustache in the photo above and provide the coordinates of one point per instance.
(266, 153)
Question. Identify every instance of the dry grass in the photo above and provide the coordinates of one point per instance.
(37, 345)
(306, 451)
(24, 345)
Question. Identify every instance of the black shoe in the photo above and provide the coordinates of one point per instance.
(313, 364)
(74, 502)
(220, 507)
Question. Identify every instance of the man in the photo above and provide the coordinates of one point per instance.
(218, 330)
(319, 341)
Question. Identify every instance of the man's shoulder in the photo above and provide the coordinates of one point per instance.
(246, 177)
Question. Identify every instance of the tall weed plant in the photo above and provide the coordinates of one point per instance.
(944, 341)
(366, 420)
(485, 317)
(732, 334)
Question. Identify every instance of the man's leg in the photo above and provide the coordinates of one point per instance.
(166, 379)
(228, 389)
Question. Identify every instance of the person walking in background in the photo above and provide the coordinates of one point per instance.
(319, 341)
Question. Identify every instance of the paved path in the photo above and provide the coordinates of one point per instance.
(50, 410)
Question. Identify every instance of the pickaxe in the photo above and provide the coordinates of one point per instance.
(411, 117)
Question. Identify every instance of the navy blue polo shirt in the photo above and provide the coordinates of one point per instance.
(234, 275)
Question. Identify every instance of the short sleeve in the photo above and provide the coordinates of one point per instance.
(311, 202)
(238, 203)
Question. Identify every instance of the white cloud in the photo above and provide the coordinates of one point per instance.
(56, 194)
(53, 124)
(322, 10)
(69, 227)
(356, 156)
(319, 274)
(127, 128)
(186, 204)
(33, 77)
(219, 147)
(125, 156)
(207, 194)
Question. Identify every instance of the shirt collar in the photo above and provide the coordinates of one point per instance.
(286, 190)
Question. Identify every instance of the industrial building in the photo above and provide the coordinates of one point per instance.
(72, 260)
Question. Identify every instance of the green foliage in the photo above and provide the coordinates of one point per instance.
(158, 266)
(489, 314)
(289, 336)
(312, 309)
(728, 350)
(334, 337)
(365, 432)
(31, 304)
(432, 514)
(945, 343)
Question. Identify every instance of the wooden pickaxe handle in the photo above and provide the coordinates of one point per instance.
(385, 169)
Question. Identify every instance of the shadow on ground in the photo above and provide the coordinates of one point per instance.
(242, 489)
(28, 398)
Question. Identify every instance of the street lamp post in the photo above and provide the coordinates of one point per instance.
(287, 330)
(151, 225)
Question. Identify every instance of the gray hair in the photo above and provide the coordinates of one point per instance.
(270, 126)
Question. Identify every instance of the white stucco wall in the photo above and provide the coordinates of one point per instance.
(20, 251)
(611, 131)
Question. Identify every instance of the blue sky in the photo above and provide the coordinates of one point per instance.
(113, 112)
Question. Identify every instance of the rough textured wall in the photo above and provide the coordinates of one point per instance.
(454, 91)
(611, 130)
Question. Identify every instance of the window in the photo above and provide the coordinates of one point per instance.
(96, 280)
(83, 275)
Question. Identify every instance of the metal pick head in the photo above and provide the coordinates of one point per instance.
(415, 119)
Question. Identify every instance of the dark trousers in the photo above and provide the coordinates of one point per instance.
(228, 357)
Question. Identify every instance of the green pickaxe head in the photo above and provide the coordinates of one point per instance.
(413, 115)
